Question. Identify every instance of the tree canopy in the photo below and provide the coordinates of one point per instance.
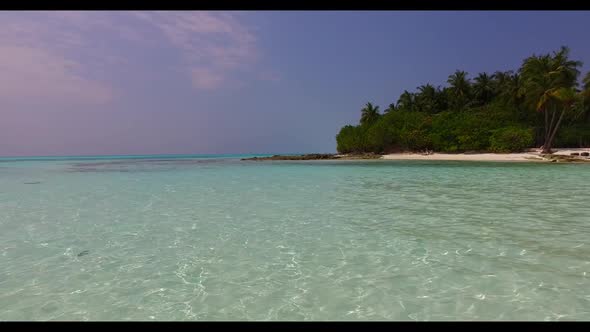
(538, 105)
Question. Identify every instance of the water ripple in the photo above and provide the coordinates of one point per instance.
(230, 240)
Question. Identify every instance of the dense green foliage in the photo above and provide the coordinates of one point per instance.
(538, 105)
(511, 139)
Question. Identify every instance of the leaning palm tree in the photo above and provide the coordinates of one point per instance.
(548, 82)
(369, 114)
(567, 99)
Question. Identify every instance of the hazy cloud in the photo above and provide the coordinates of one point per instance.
(35, 75)
(212, 44)
(54, 56)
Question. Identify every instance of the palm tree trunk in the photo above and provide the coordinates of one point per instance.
(548, 126)
(551, 123)
(549, 142)
(546, 123)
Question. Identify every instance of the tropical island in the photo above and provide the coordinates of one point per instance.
(527, 113)
(538, 105)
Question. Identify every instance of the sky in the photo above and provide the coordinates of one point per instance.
(102, 83)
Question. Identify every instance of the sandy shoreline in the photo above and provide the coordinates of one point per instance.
(532, 155)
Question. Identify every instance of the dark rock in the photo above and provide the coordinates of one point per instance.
(556, 158)
(574, 154)
(84, 253)
(585, 154)
(567, 159)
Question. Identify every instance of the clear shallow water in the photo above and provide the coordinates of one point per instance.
(223, 239)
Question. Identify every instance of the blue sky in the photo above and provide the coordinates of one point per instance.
(239, 82)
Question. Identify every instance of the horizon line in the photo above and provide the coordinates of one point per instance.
(150, 154)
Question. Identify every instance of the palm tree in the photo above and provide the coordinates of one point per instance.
(585, 107)
(442, 98)
(586, 82)
(406, 101)
(459, 82)
(548, 84)
(391, 108)
(569, 99)
(369, 114)
(483, 89)
(426, 98)
(506, 85)
(500, 81)
(567, 71)
(459, 88)
(514, 89)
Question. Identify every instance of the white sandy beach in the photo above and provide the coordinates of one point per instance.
(532, 155)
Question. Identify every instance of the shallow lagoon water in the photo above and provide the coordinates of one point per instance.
(216, 238)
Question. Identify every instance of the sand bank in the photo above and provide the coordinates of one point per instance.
(531, 155)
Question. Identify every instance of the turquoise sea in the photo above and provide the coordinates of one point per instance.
(216, 238)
